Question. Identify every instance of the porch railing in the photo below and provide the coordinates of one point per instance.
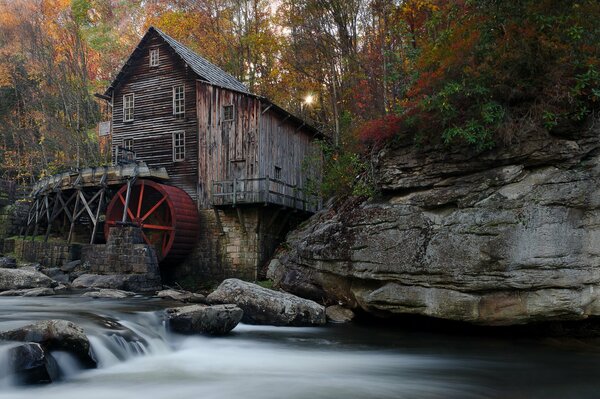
(264, 190)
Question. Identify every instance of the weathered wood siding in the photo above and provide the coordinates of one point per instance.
(285, 145)
(154, 123)
(227, 149)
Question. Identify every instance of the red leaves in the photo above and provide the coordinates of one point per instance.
(380, 130)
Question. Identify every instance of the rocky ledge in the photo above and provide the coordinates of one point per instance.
(497, 243)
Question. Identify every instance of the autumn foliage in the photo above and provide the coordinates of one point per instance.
(488, 72)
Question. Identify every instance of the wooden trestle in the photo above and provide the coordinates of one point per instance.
(74, 195)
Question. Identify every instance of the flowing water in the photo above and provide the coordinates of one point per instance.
(139, 359)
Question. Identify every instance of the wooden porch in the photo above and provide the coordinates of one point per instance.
(263, 190)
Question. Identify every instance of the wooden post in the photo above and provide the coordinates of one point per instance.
(98, 210)
(74, 217)
(234, 191)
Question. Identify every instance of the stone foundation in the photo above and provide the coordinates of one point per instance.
(235, 242)
(125, 253)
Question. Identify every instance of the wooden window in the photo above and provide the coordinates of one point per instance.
(154, 57)
(178, 146)
(277, 173)
(128, 144)
(179, 100)
(228, 113)
(128, 102)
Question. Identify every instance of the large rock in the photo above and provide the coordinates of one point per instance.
(16, 279)
(504, 245)
(8, 262)
(126, 282)
(30, 292)
(56, 274)
(60, 335)
(181, 296)
(30, 364)
(202, 319)
(108, 294)
(265, 306)
(338, 314)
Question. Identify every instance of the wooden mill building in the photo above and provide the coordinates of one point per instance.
(241, 158)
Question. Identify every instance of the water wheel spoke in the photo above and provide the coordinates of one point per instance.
(139, 208)
(129, 213)
(165, 242)
(157, 227)
(155, 207)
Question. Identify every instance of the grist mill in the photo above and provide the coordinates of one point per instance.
(211, 175)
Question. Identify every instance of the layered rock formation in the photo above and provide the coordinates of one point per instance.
(507, 237)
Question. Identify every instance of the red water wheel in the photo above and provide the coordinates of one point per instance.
(167, 215)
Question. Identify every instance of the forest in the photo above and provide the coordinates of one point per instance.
(366, 72)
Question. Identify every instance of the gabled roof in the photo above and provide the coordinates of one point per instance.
(205, 70)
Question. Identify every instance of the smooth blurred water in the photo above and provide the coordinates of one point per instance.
(139, 359)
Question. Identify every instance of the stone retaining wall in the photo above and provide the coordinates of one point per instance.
(48, 254)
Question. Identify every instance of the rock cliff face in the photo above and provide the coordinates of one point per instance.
(507, 237)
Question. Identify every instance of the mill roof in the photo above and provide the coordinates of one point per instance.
(205, 69)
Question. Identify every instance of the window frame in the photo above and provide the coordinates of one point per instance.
(181, 112)
(232, 107)
(128, 144)
(130, 116)
(277, 172)
(154, 57)
(176, 146)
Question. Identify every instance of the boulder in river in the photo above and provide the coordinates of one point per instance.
(108, 294)
(16, 279)
(127, 282)
(265, 306)
(59, 335)
(339, 314)
(30, 364)
(181, 296)
(202, 319)
(56, 274)
(42, 291)
(8, 262)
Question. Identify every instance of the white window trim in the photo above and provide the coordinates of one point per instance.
(154, 60)
(232, 112)
(174, 135)
(125, 107)
(182, 112)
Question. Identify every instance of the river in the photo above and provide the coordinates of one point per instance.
(139, 359)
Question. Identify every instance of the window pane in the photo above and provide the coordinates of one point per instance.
(178, 100)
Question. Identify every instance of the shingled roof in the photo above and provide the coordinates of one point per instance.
(205, 70)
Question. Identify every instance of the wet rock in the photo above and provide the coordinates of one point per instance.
(8, 262)
(56, 274)
(31, 365)
(16, 279)
(339, 314)
(59, 335)
(109, 294)
(265, 306)
(182, 296)
(71, 266)
(126, 282)
(61, 288)
(31, 292)
(202, 319)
